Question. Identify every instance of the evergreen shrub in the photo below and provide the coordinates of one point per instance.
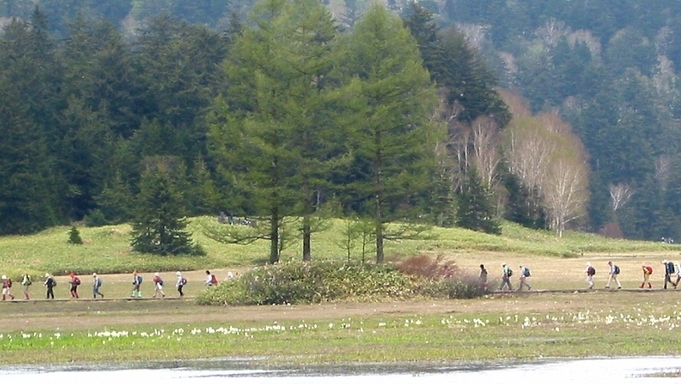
(297, 282)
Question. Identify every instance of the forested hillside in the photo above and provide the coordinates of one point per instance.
(583, 132)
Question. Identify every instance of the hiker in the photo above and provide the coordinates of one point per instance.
(6, 285)
(677, 268)
(74, 283)
(524, 274)
(96, 284)
(668, 273)
(613, 275)
(26, 282)
(136, 283)
(647, 271)
(482, 279)
(506, 277)
(158, 285)
(50, 283)
(181, 282)
(211, 280)
(590, 272)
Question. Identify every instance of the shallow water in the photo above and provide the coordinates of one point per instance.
(634, 370)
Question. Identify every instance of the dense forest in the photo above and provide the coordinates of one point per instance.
(552, 114)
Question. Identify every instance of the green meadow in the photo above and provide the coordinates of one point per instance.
(106, 250)
(491, 328)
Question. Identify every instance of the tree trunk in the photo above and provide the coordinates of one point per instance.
(274, 236)
(379, 201)
(307, 235)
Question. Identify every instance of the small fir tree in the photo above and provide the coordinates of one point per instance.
(475, 209)
(74, 236)
(160, 223)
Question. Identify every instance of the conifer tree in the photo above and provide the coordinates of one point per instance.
(74, 236)
(392, 138)
(159, 226)
(475, 209)
(271, 132)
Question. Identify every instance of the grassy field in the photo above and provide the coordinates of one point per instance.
(496, 327)
(107, 249)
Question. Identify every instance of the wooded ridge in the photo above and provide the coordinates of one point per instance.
(552, 114)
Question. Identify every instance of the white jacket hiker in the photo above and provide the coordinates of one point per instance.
(614, 273)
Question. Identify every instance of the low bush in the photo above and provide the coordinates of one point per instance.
(296, 282)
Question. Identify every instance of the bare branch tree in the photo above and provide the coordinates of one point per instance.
(663, 169)
(485, 142)
(620, 195)
(565, 192)
(551, 32)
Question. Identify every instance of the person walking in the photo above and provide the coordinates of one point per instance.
(26, 282)
(647, 271)
(136, 285)
(6, 286)
(590, 272)
(524, 274)
(181, 282)
(50, 283)
(158, 285)
(506, 274)
(96, 285)
(677, 268)
(211, 280)
(74, 282)
(482, 279)
(669, 271)
(613, 275)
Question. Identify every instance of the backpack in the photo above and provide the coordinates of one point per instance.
(54, 282)
(183, 281)
(27, 280)
(213, 280)
(509, 272)
(617, 270)
(526, 272)
(592, 271)
(140, 279)
(9, 283)
(649, 270)
(76, 281)
(670, 268)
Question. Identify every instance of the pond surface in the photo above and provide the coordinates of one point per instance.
(628, 370)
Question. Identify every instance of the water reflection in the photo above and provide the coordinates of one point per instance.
(638, 370)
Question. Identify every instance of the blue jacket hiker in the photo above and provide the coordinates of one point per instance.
(136, 283)
(96, 285)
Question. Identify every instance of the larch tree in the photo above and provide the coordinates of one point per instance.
(273, 130)
(392, 98)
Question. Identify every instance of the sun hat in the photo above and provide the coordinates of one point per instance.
(178, 273)
(94, 274)
(156, 274)
(4, 277)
